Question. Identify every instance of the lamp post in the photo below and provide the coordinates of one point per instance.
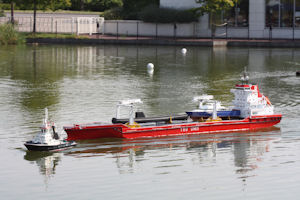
(270, 24)
(279, 13)
(294, 16)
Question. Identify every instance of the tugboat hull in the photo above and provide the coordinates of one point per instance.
(44, 147)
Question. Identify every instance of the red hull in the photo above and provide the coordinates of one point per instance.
(93, 131)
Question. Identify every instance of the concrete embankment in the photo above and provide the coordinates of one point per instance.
(120, 41)
(265, 43)
(96, 40)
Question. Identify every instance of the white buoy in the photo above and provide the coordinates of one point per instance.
(150, 66)
(183, 51)
(150, 69)
(150, 72)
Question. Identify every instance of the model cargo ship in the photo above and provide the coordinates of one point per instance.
(251, 110)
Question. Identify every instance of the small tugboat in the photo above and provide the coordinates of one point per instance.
(47, 139)
(251, 110)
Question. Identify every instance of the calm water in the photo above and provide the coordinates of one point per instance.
(82, 84)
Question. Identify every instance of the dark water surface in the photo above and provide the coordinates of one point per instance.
(82, 84)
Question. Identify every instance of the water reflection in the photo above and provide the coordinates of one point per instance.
(42, 71)
(46, 162)
(247, 149)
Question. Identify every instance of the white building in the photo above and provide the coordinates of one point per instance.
(276, 19)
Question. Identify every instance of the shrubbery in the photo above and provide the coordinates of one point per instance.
(4, 6)
(103, 5)
(155, 14)
(113, 14)
(9, 35)
(1, 10)
(131, 8)
(1, 13)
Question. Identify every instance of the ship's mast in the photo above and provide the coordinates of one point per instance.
(245, 77)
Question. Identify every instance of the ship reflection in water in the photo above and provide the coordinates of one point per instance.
(46, 161)
(246, 148)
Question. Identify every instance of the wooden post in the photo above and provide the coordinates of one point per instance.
(34, 16)
(51, 24)
(90, 25)
(72, 25)
(77, 26)
(12, 21)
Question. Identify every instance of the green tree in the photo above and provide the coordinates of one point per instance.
(12, 5)
(80, 4)
(214, 6)
(95, 5)
(1, 10)
(131, 8)
(83, 2)
(58, 4)
(102, 5)
(75, 4)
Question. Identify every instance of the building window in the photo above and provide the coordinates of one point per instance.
(297, 14)
(279, 13)
(238, 15)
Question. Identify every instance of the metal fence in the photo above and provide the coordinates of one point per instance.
(132, 28)
(76, 25)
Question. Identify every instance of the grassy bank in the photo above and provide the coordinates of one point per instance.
(9, 35)
(53, 35)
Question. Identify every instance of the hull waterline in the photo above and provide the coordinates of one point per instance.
(44, 147)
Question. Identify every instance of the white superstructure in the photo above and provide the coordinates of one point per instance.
(250, 101)
(45, 136)
(128, 103)
(206, 104)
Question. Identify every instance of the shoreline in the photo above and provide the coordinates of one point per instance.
(122, 40)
